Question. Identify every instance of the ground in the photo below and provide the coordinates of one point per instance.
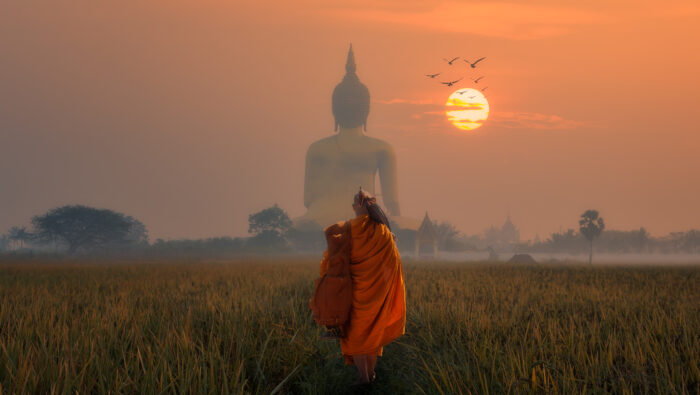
(245, 326)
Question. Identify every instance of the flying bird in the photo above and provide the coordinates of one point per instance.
(474, 64)
(450, 83)
(462, 92)
(450, 61)
(471, 97)
(484, 88)
(432, 75)
(476, 81)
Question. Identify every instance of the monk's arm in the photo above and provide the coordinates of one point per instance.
(324, 264)
(387, 177)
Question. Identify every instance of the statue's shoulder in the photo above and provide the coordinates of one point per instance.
(379, 144)
(321, 145)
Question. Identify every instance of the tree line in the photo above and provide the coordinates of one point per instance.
(75, 228)
(78, 229)
(591, 235)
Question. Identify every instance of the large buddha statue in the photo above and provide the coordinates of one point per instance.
(337, 166)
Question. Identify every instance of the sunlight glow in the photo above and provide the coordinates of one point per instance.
(467, 109)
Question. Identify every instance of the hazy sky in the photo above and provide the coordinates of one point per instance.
(190, 115)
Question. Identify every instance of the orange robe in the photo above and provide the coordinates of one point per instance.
(378, 313)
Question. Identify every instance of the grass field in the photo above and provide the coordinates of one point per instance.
(242, 327)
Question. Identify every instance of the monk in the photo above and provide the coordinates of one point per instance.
(378, 313)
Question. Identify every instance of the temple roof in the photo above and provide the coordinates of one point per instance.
(508, 224)
(426, 227)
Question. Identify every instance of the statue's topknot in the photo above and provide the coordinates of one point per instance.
(350, 98)
(350, 63)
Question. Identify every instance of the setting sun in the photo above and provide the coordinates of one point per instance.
(467, 109)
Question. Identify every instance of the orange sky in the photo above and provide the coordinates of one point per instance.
(190, 115)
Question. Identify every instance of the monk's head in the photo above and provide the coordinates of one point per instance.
(362, 201)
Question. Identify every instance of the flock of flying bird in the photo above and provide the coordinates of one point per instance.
(469, 64)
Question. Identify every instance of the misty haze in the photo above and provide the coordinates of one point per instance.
(358, 197)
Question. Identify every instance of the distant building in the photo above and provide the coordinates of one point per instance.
(504, 238)
(509, 233)
(426, 241)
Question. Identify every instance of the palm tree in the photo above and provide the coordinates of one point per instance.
(591, 225)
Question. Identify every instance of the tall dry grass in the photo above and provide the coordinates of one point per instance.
(241, 327)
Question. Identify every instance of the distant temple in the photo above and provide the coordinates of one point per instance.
(426, 239)
(509, 233)
(504, 238)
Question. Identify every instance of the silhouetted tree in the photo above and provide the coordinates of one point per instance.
(591, 225)
(692, 241)
(450, 238)
(82, 227)
(688, 242)
(567, 241)
(4, 242)
(270, 226)
(138, 234)
(447, 235)
(19, 236)
(641, 240)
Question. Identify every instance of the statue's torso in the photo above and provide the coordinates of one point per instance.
(339, 167)
(347, 165)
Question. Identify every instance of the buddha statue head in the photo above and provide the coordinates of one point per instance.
(350, 98)
(337, 164)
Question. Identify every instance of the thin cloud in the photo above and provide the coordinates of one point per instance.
(405, 101)
(403, 6)
(473, 106)
(532, 120)
(501, 19)
(423, 112)
(434, 113)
